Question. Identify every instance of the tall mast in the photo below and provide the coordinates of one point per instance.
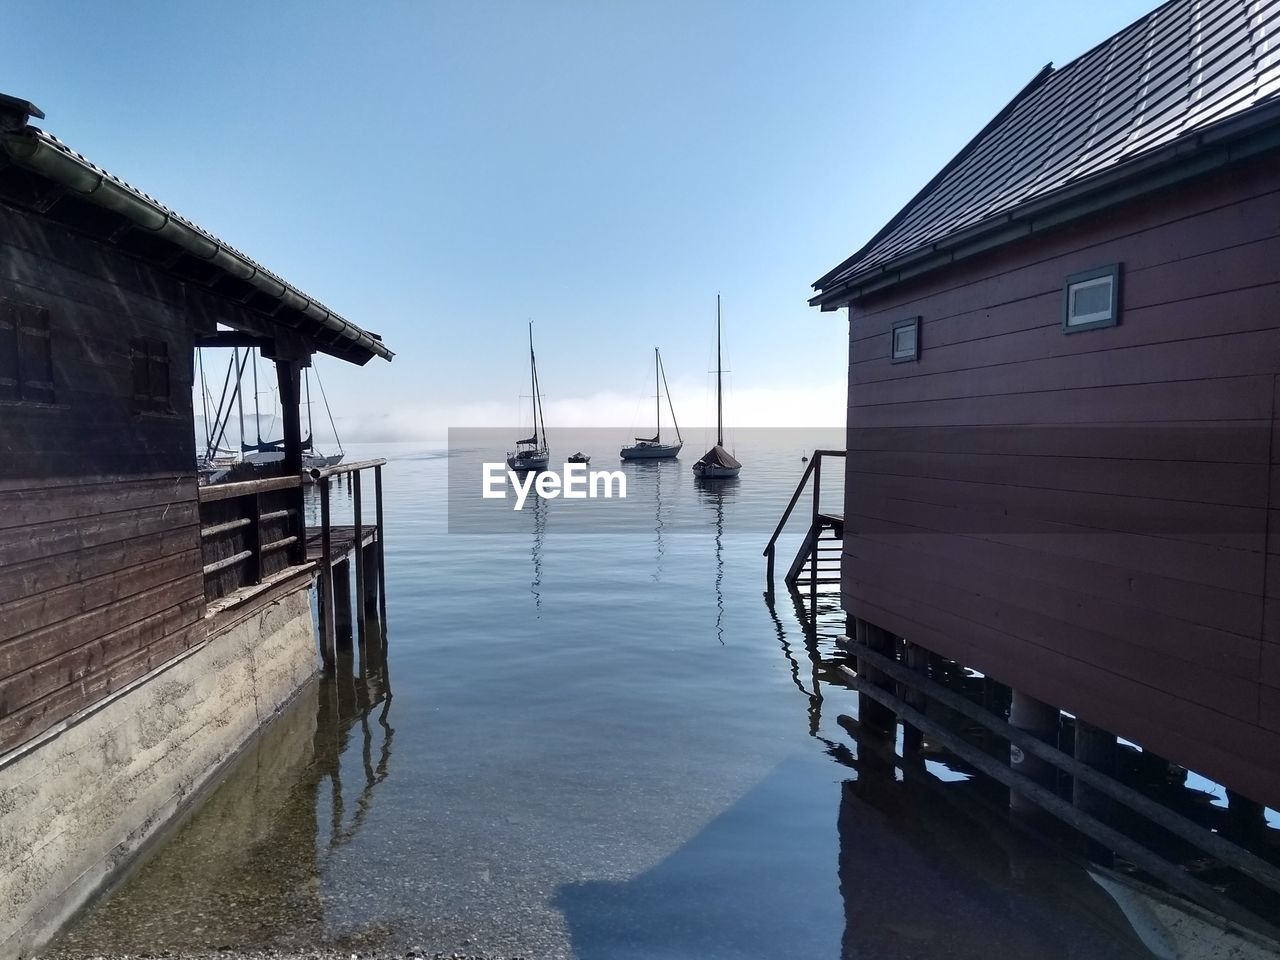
(533, 385)
(657, 395)
(239, 397)
(719, 377)
(257, 414)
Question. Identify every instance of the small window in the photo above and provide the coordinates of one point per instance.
(150, 376)
(1092, 299)
(26, 353)
(905, 340)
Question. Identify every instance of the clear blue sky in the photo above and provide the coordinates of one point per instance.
(441, 172)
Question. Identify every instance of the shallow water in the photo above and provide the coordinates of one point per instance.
(597, 746)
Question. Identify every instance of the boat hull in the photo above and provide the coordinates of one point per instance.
(652, 451)
(715, 472)
(529, 461)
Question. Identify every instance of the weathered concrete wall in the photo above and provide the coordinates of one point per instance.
(77, 805)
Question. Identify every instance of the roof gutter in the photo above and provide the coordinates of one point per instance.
(38, 151)
(1214, 147)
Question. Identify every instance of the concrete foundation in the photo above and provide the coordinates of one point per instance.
(78, 802)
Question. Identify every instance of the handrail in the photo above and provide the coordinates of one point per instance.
(225, 491)
(317, 473)
(795, 497)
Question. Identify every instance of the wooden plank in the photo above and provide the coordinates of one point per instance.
(62, 704)
(50, 573)
(1236, 355)
(1227, 569)
(1240, 485)
(1239, 441)
(26, 686)
(23, 505)
(225, 491)
(1225, 609)
(1225, 749)
(52, 641)
(1226, 398)
(31, 613)
(1059, 609)
(1032, 332)
(21, 544)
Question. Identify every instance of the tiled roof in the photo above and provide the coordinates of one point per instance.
(1179, 70)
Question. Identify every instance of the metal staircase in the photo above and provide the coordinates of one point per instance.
(817, 562)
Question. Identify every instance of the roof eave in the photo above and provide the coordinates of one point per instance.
(37, 151)
(1228, 141)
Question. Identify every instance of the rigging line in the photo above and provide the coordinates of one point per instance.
(234, 396)
(217, 420)
(204, 394)
(240, 396)
(257, 413)
(537, 399)
(325, 397)
(671, 406)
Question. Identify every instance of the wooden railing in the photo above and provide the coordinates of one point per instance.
(814, 470)
(369, 559)
(250, 531)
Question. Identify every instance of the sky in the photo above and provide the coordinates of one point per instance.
(443, 173)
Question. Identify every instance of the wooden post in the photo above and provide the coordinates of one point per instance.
(255, 537)
(768, 591)
(289, 379)
(328, 628)
(917, 658)
(358, 549)
(1039, 719)
(342, 602)
(1097, 748)
(382, 565)
(872, 714)
(369, 593)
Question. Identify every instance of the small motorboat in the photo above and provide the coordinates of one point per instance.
(579, 457)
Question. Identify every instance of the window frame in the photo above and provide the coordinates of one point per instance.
(150, 352)
(1109, 272)
(21, 322)
(914, 324)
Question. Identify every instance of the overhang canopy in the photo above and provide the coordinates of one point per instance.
(40, 172)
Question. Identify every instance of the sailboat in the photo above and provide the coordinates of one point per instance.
(652, 448)
(718, 463)
(266, 452)
(532, 454)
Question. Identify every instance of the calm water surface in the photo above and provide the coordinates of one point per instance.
(596, 746)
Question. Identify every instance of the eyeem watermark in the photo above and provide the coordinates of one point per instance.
(574, 482)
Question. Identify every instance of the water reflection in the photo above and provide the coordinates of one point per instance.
(246, 869)
(538, 507)
(715, 493)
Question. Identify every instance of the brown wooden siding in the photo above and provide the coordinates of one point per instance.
(1091, 517)
(100, 556)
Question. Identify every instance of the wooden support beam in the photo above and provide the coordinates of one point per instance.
(289, 379)
(328, 629)
(342, 602)
(382, 553)
(358, 549)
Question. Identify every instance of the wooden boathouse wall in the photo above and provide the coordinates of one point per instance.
(101, 570)
(1092, 518)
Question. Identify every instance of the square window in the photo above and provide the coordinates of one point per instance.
(151, 392)
(1092, 299)
(26, 353)
(905, 340)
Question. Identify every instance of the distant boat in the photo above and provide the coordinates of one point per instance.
(652, 448)
(718, 463)
(532, 454)
(266, 452)
(579, 457)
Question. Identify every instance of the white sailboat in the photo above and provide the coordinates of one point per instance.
(718, 463)
(652, 448)
(532, 454)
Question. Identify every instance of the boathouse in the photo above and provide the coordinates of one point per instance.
(148, 626)
(1064, 381)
